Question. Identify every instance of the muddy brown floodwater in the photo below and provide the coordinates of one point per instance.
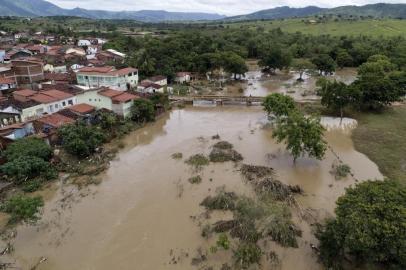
(139, 217)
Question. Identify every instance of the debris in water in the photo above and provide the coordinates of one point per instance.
(177, 156)
(195, 179)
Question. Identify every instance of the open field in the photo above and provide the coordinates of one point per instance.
(382, 137)
(387, 27)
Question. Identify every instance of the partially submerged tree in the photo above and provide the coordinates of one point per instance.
(324, 63)
(142, 111)
(302, 135)
(370, 226)
(278, 104)
(335, 95)
(276, 58)
(302, 65)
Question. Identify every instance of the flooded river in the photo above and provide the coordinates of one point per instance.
(145, 212)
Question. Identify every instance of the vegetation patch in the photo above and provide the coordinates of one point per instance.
(195, 179)
(197, 161)
(340, 171)
(251, 172)
(221, 201)
(223, 151)
(22, 208)
(177, 155)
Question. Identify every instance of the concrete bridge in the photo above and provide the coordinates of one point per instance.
(218, 100)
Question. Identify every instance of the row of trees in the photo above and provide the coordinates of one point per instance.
(379, 83)
(202, 50)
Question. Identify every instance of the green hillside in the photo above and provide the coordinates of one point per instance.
(384, 27)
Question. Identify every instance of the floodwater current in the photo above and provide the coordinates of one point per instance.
(145, 215)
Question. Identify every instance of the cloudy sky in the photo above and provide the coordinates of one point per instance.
(226, 7)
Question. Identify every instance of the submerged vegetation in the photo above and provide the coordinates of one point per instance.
(22, 208)
(223, 151)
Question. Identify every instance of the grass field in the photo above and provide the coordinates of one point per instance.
(387, 27)
(382, 137)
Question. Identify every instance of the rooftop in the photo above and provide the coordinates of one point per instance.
(56, 120)
(82, 108)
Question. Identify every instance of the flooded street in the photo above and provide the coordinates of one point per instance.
(145, 212)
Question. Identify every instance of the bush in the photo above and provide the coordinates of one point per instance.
(142, 111)
(22, 208)
(197, 161)
(195, 179)
(370, 225)
(25, 167)
(221, 201)
(28, 147)
(247, 254)
(80, 140)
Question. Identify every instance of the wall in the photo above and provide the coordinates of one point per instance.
(93, 98)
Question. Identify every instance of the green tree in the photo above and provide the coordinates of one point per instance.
(26, 168)
(302, 135)
(334, 95)
(302, 65)
(81, 140)
(344, 59)
(28, 147)
(278, 104)
(142, 111)
(276, 58)
(370, 225)
(234, 64)
(324, 63)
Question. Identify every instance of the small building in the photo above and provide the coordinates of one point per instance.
(28, 71)
(147, 86)
(183, 77)
(7, 84)
(159, 79)
(95, 77)
(17, 131)
(84, 42)
(119, 102)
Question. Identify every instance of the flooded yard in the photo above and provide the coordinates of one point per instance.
(259, 84)
(145, 214)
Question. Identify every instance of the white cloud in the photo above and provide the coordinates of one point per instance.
(227, 7)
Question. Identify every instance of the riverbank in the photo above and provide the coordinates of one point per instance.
(382, 137)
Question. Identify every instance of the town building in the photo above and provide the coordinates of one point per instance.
(95, 77)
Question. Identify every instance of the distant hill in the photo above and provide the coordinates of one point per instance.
(37, 8)
(278, 13)
(374, 10)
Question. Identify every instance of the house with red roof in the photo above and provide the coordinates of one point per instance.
(119, 102)
(33, 104)
(107, 76)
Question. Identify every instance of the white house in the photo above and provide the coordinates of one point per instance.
(84, 42)
(150, 87)
(95, 77)
(160, 80)
(32, 104)
(183, 77)
(119, 102)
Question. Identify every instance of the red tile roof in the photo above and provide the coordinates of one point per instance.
(41, 98)
(82, 108)
(157, 78)
(59, 95)
(5, 80)
(124, 97)
(56, 120)
(25, 92)
(107, 70)
(110, 92)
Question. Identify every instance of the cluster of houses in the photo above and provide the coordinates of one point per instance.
(45, 84)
